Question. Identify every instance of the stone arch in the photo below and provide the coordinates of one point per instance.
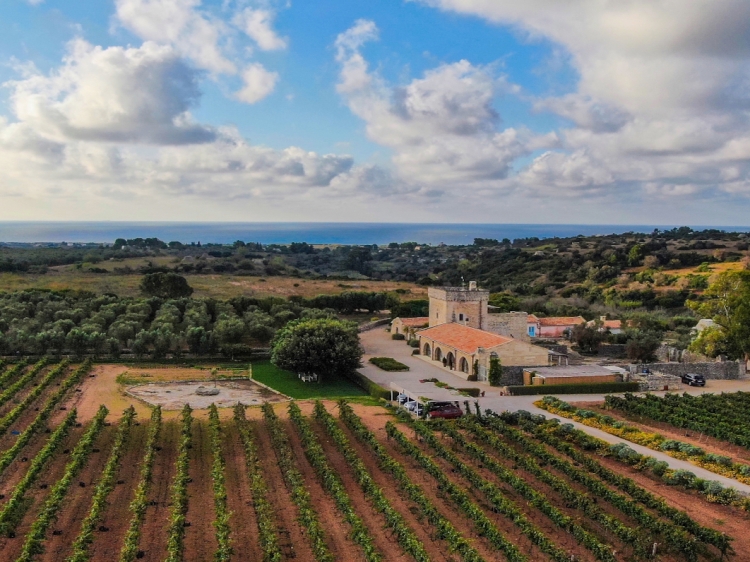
(427, 350)
(438, 354)
(463, 365)
(451, 360)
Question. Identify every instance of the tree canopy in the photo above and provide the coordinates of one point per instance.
(165, 286)
(321, 346)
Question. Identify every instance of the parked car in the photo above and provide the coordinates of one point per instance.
(414, 407)
(691, 379)
(402, 398)
(445, 410)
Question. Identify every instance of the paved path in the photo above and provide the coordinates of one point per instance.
(378, 343)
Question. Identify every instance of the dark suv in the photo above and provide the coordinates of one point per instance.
(445, 410)
(691, 379)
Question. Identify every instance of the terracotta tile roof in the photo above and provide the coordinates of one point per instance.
(612, 324)
(562, 321)
(463, 338)
(414, 322)
(531, 319)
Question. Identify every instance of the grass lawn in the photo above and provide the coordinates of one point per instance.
(287, 383)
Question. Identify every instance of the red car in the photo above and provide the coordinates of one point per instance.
(445, 410)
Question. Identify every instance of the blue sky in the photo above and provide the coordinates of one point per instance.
(517, 113)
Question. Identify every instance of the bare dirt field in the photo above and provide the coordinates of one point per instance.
(173, 396)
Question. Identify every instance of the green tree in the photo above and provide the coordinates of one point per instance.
(165, 286)
(587, 338)
(496, 371)
(641, 346)
(727, 302)
(322, 346)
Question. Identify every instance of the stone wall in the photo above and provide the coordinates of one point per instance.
(509, 324)
(512, 376)
(613, 351)
(729, 370)
(658, 382)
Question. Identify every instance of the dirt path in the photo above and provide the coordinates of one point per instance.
(154, 530)
(243, 522)
(100, 387)
(78, 501)
(375, 521)
(200, 536)
(336, 529)
(116, 517)
(292, 538)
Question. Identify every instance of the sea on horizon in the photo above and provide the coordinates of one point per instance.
(313, 233)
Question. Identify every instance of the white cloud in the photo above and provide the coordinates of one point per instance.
(442, 127)
(180, 23)
(113, 95)
(258, 83)
(257, 24)
(662, 96)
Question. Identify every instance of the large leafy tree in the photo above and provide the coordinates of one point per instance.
(165, 286)
(323, 346)
(727, 302)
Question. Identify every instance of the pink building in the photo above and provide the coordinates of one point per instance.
(558, 326)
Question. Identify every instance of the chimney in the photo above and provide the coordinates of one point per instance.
(472, 285)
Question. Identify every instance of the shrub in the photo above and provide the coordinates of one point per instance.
(597, 388)
(388, 363)
(398, 337)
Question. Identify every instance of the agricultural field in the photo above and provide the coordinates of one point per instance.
(321, 481)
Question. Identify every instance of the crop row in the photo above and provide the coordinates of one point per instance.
(104, 487)
(264, 512)
(550, 434)
(296, 482)
(16, 412)
(41, 419)
(11, 391)
(176, 529)
(445, 529)
(11, 373)
(332, 484)
(16, 506)
(718, 417)
(221, 524)
(685, 451)
(602, 551)
(129, 551)
(34, 543)
(490, 491)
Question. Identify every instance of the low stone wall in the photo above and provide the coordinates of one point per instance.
(373, 325)
(512, 376)
(613, 351)
(726, 370)
(658, 382)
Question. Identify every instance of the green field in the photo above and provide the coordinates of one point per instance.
(287, 383)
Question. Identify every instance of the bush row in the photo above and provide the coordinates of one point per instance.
(16, 506)
(597, 388)
(179, 498)
(388, 364)
(308, 517)
(264, 512)
(22, 381)
(396, 523)
(129, 552)
(12, 372)
(331, 482)
(221, 523)
(34, 543)
(445, 529)
(104, 487)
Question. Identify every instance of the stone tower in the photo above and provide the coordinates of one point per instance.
(460, 305)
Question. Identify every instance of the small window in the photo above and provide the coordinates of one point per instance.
(460, 316)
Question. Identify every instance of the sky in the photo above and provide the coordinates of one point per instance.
(460, 111)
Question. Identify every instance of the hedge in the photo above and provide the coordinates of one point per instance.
(374, 389)
(388, 364)
(596, 388)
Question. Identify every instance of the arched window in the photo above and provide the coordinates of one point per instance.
(427, 350)
(463, 365)
(438, 354)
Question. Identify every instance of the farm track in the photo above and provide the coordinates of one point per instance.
(200, 537)
(336, 529)
(78, 501)
(426, 533)
(292, 537)
(154, 535)
(11, 548)
(106, 546)
(243, 522)
(375, 521)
